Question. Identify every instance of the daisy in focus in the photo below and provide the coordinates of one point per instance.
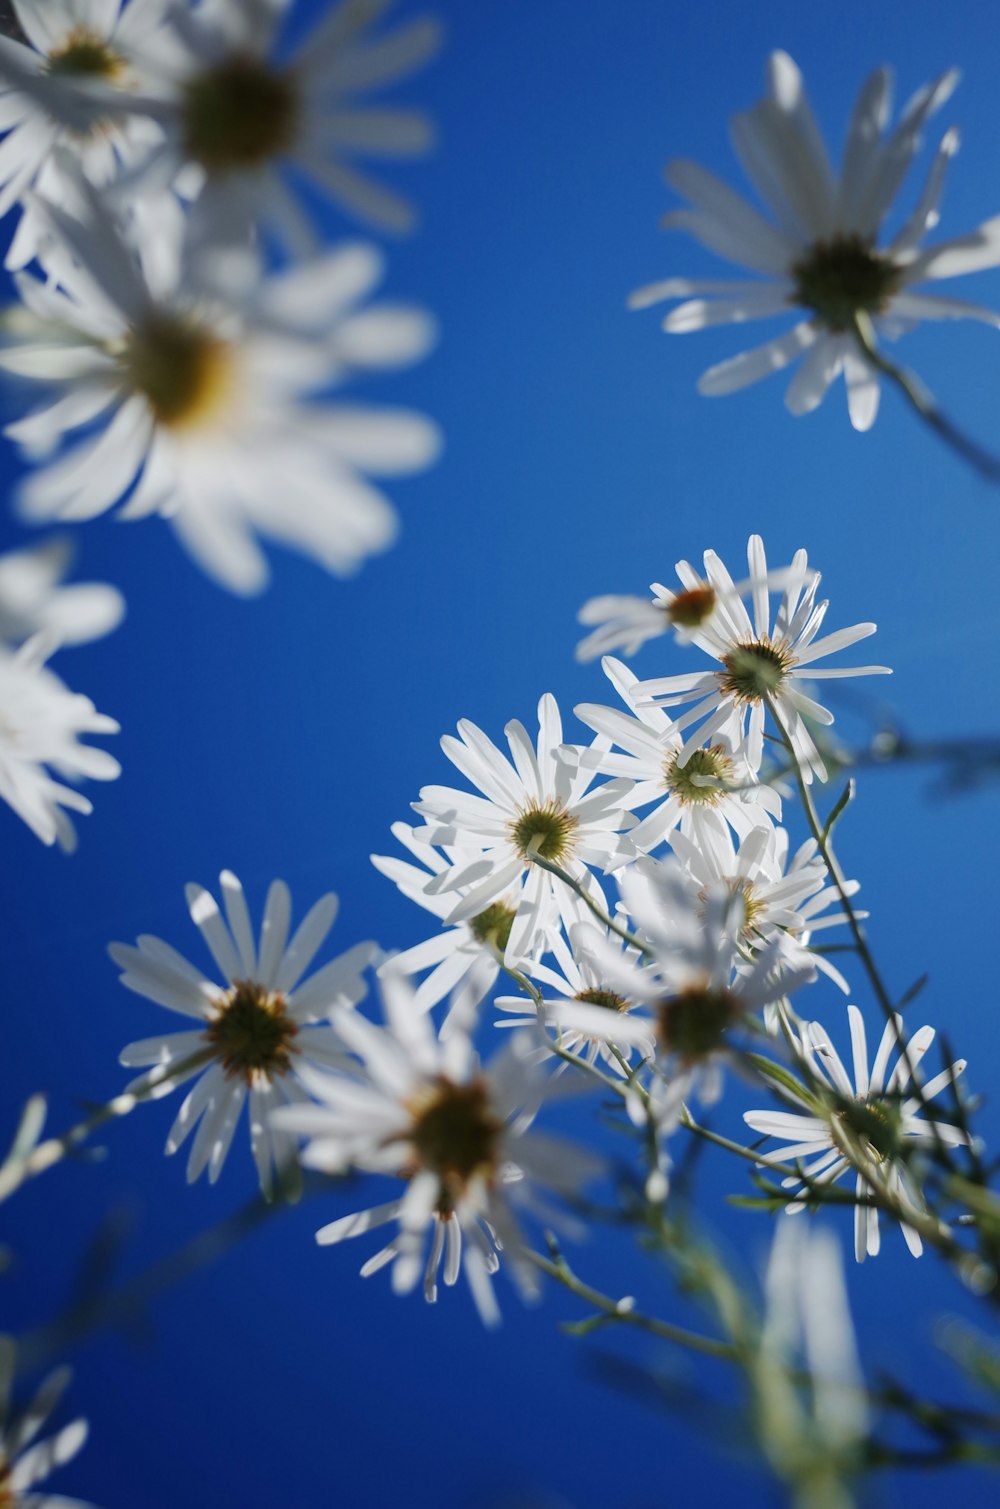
(690, 784)
(532, 804)
(820, 248)
(255, 1033)
(200, 383)
(424, 1110)
(760, 662)
(76, 91)
(33, 598)
(239, 118)
(41, 723)
(24, 1461)
(870, 1125)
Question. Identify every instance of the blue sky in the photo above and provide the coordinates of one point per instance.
(282, 737)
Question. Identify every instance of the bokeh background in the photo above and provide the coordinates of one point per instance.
(282, 736)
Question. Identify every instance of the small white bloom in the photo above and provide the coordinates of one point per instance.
(33, 599)
(41, 721)
(692, 988)
(688, 782)
(870, 1124)
(24, 1461)
(201, 380)
(760, 662)
(239, 118)
(821, 250)
(778, 896)
(532, 803)
(256, 1032)
(581, 976)
(460, 953)
(424, 1110)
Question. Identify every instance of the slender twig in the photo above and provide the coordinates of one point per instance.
(917, 396)
(585, 896)
(45, 1155)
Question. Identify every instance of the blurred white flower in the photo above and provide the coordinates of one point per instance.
(32, 597)
(239, 117)
(255, 1033)
(201, 379)
(24, 1461)
(820, 249)
(536, 805)
(759, 662)
(421, 1109)
(41, 721)
(75, 95)
(871, 1124)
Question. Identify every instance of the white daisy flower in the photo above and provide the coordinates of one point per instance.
(75, 97)
(460, 955)
(239, 118)
(33, 599)
(688, 782)
(692, 989)
(424, 1110)
(778, 895)
(580, 975)
(760, 662)
(820, 249)
(256, 1032)
(873, 1123)
(532, 803)
(24, 1461)
(41, 722)
(202, 391)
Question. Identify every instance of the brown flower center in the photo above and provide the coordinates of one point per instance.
(609, 999)
(239, 113)
(455, 1135)
(839, 277)
(692, 607)
(253, 1032)
(493, 925)
(694, 1023)
(84, 55)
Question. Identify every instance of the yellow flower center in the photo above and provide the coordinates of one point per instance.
(546, 831)
(703, 780)
(253, 1032)
(609, 999)
(493, 925)
(239, 113)
(84, 55)
(755, 670)
(185, 372)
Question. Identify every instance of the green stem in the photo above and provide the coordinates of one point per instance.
(917, 396)
(621, 1310)
(18, 1169)
(588, 900)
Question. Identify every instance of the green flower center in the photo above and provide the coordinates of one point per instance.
(702, 781)
(691, 608)
(694, 1023)
(238, 114)
(252, 1035)
(493, 925)
(839, 277)
(455, 1135)
(546, 831)
(754, 670)
(875, 1123)
(183, 371)
(84, 55)
(607, 998)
